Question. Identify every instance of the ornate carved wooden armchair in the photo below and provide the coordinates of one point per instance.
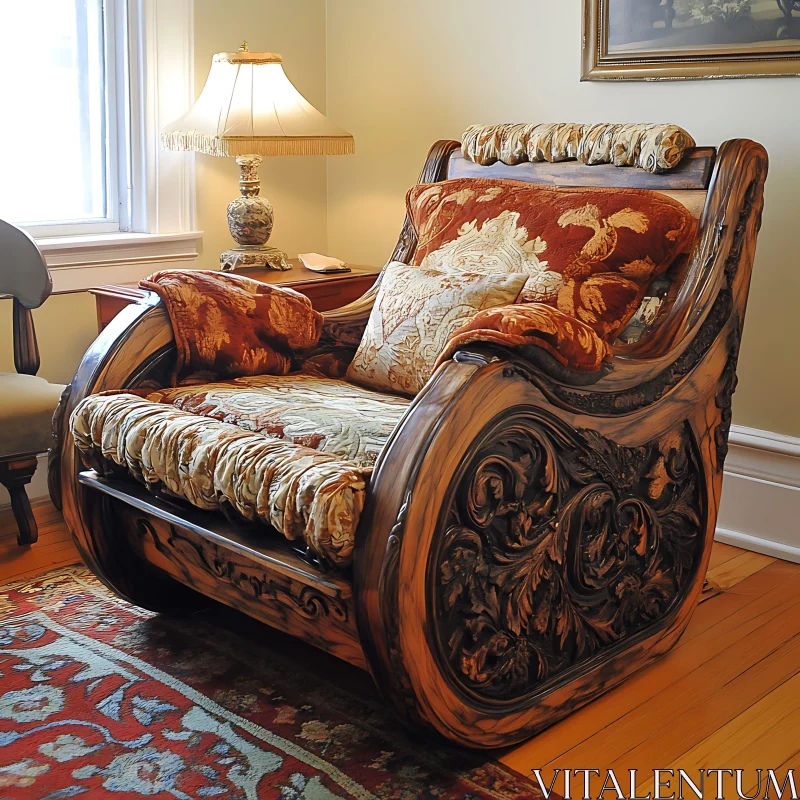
(530, 537)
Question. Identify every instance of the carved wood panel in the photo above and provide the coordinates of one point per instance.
(560, 544)
(320, 616)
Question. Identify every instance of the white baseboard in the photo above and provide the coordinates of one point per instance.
(760, 508)
(36, 489)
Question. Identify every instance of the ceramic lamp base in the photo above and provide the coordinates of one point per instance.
(250, 219)
(263, 257)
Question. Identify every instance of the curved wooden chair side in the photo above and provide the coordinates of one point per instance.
(425, 528)
(139, 335)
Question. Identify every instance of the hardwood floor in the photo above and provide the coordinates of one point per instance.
(54, 548)
(728, 696)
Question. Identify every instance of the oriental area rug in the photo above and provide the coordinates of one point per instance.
(100, 699)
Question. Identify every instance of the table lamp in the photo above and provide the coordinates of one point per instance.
(250, 109)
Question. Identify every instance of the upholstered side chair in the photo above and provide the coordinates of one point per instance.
(27, 402)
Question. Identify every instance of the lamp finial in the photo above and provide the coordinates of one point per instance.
(244, 48)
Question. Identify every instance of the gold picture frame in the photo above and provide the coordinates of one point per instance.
(626, 39)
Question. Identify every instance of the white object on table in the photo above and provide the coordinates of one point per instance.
(320, 263)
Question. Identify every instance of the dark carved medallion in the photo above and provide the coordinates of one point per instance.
(558, 544)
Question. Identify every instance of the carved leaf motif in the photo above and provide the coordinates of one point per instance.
(464, 566)
(559, 546)
(614, 464)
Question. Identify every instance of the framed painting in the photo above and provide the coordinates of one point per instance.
(669, 39)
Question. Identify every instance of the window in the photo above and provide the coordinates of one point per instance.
(63, 153)
(85, 88)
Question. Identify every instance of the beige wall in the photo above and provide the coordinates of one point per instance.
(66, 325)
(401, 75)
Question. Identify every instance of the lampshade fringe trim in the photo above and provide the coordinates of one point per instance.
(288, 146)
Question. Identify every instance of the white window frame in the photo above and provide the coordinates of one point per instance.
(115, 41)
(153, 65)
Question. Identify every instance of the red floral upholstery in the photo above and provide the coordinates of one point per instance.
(590, 253)
(569, 341)
(228, 326)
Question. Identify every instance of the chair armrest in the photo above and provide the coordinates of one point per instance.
(342, 329)
(722, 257)
(136, 346)
(530, 541)
(26, 348)
(345, 326)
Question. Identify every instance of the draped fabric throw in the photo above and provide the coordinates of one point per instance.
(229, 326)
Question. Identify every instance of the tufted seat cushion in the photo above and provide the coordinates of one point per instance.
(294, 452)
(27, 404)
(331, 416)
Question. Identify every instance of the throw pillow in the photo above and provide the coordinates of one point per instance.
(415, 313)
(591, 253)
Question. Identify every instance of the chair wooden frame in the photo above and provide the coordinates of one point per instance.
(529, 540)
(23, 275)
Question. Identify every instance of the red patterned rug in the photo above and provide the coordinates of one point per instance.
(100, 699)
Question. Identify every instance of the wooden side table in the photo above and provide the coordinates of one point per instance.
(326, 291)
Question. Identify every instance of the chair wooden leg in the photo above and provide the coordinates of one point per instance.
(15, 475)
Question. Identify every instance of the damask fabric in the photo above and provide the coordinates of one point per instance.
(227, 326)
(330, 416)
(303, 493)
(571, 343)
(655, 148)
(590, 253)
(415, 313)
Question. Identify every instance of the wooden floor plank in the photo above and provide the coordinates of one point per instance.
(792, 762)
(763, 735)
(717, 629)
(722, 553)
(701, 704)
(683, 712)
(736, 569)
(54, 548)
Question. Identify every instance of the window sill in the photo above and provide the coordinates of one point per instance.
(78, 263)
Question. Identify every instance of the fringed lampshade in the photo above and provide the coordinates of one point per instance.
(250, 109)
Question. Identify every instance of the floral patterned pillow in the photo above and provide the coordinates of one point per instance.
(414, 315)
(591, 253)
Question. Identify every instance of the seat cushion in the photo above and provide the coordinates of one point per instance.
(294, 452)
(301, 493)
(323, 414)
(27, 404)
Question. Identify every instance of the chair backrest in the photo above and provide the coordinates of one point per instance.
(23, 271)
(688, 183)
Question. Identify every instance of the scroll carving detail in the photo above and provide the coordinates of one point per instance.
(306, 601)
(559, 544)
